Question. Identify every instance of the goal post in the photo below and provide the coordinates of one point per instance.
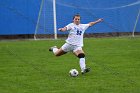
(54, 18)
(133, 33)
(37, 25)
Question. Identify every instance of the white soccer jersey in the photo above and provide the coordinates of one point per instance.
(76, 33)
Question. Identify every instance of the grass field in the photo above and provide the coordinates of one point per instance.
(28, 67)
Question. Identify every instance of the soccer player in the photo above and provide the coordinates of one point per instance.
(74, 42)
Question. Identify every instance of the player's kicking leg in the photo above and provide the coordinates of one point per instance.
(56, 51)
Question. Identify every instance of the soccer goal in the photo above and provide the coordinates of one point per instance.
(121, 17)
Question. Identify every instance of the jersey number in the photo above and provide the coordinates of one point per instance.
(79, 32)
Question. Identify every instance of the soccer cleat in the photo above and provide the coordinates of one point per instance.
(51, 49)
(85, 70)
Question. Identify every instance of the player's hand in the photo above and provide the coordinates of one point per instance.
(60, 29)
(100, 20)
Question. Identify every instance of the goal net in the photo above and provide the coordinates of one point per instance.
(120, 16)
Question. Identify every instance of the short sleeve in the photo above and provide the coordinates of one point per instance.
(85, 26)
(68, 26)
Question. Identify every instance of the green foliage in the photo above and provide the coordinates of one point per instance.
(28, 67)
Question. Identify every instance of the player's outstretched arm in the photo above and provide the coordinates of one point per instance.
(95, 22)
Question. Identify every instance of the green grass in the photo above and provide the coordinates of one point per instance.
(28, 67)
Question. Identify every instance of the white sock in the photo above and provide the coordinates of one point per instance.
(54, 50)
(82, 64)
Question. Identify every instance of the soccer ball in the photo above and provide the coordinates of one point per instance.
(73, 72)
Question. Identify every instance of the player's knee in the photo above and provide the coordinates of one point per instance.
(81, 55)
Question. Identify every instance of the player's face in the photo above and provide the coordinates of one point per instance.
(76, 20)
